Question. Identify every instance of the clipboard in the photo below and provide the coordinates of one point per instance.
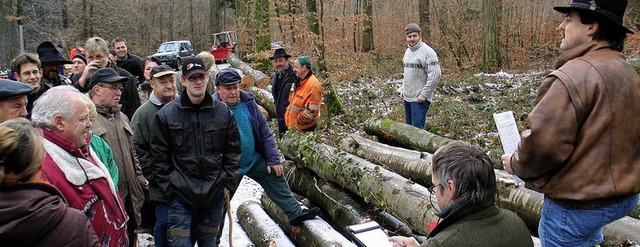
(367, 234)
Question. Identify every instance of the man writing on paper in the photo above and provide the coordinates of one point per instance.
(582, 152)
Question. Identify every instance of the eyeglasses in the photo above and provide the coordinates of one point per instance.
(432, 189)
(113, 88)
(29, 73)
(432, 197)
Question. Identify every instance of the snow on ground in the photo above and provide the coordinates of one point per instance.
(248, 190)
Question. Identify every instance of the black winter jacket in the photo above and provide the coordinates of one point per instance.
(195, 150)
(281, 88)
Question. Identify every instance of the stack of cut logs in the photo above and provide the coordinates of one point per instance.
(366, 178)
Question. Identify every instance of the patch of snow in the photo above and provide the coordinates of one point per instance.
(500, 74)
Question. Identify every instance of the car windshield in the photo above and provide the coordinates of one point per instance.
(168, 47)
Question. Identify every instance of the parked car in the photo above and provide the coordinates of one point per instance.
(224, 43)
(172, 52)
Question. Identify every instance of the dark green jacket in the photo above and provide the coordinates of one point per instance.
(141, 125)
(472, 225)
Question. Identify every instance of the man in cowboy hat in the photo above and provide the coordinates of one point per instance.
(582, 151)
(281, 80)
(51, 63)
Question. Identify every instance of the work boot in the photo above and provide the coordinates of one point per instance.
(307, 214)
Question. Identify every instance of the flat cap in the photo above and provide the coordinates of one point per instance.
(228, 76)
(105, 75)
(11, 89)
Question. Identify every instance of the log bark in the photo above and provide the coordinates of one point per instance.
(264, 99)
(262, 230)
(527, 204)
(261, 80)
(343, 208)
(414, 138)
(377, 185)
(411, 164)
(315, 233)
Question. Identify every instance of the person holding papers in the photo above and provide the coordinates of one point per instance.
(582, 151)
(465, 188)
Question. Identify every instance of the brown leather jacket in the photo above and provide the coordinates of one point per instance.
(582, 151)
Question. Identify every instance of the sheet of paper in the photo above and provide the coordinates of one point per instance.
(509, 135)
(374, 237)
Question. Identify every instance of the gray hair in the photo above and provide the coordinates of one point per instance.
(56, 101)
(470, 169)
(96, 43)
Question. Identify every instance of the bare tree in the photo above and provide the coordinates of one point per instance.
(423, 8)
(491, 10)
(367, 34)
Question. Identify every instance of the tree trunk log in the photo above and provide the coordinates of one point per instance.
(315, 233)
(411, 164)
(264, 99)
(262, 230)
(246, 83)
(527, 204)
(341, 206)
(415, 138)
(385, 189)
(259, 78)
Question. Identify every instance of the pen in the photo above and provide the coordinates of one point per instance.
(395, 239)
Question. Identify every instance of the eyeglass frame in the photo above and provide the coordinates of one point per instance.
(432, 192)
(113, 88)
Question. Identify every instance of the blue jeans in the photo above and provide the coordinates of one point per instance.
(560, 226)
(416, 113)
(160, 229)
(187, 226)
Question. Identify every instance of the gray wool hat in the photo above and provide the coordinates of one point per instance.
(412, 27)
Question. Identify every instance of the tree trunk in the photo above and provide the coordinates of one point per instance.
(260, 78)
(411, 164)
(316, 232)
(343, 208)
(367, 34)
(423, 8)
(340, 206)
(382, 188)
(262, 230)
(527, 204)
(414, 138)
(215, 16)
(491, 11)
(264, 99)
(334, 106)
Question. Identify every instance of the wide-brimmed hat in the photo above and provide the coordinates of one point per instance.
(49, 54)
(280, 52)
(611, 10)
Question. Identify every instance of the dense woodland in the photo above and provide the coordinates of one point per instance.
(348, 38)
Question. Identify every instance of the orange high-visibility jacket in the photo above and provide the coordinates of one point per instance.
(304, 104)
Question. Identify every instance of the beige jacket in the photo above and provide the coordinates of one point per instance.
(114, 127)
